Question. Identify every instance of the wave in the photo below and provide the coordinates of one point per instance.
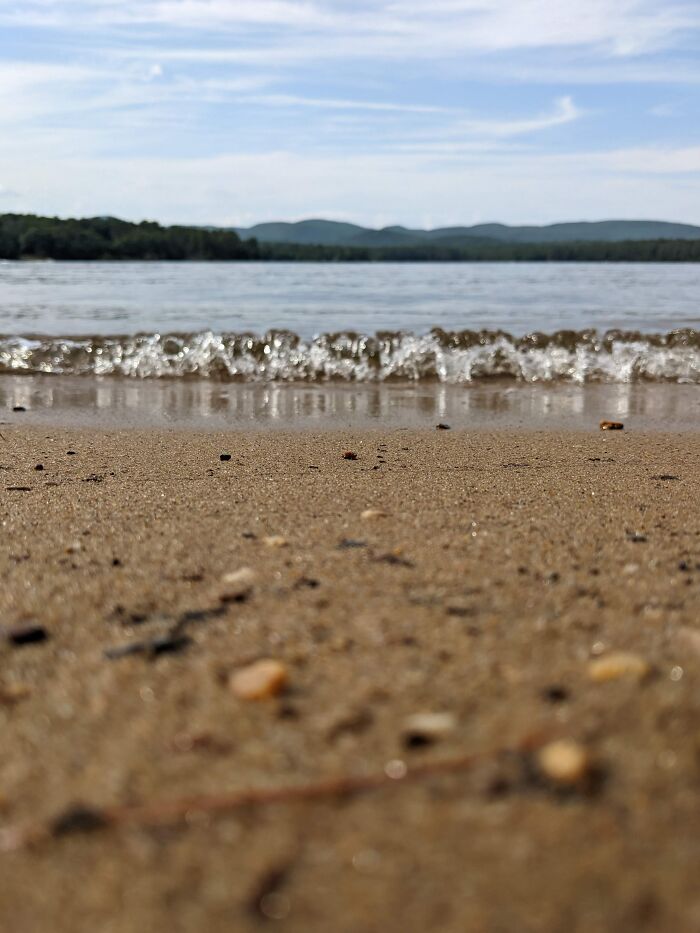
(445, 356)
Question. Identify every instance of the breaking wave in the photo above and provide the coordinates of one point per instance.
(444, 356)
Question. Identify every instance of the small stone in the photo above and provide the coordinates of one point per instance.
(75, 547)
(25, 634)
(611, 426)
(426, 728)
(78, 819)
(348, 544)
(619, 664)
(564, 762)
(443, 427)
(39, 466)
(275, 541)
(18, 408)
(260, 680)
(238, 585)
(224, 457)
(349, 455)
(460, 606)
(13, 693)
(163, 644)
(370, 515)
(555, 694)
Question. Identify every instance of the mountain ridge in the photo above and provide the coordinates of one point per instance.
(320, 232)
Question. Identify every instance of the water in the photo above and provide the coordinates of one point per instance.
(79, 299)
(370, 323)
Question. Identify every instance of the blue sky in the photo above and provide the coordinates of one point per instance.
(375, 111)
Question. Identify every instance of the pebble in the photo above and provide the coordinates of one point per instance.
(370, 515)
(13, 693)
(163, 644)
(224, 457)
(426, 728)
(443, 427)
(275, 541)
(238, 585)
(564, 762)
(349, 543)
(611, 426)
(260, 680)
(617, 665)
(25, 634)
(39, 466)
(349, 455)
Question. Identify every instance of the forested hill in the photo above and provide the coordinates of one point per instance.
(26, 236)
(333, 233)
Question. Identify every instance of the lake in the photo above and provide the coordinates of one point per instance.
(353, 321)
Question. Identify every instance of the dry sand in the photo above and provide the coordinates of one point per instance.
(505, 564)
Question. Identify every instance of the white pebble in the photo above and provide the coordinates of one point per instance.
(238, 584)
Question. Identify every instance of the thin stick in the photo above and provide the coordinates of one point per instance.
(179, 810)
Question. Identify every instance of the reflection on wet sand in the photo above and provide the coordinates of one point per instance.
(203, 404)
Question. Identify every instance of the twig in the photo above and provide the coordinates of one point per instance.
(179, 810)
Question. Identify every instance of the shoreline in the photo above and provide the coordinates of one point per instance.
(474, 575)
(114, 403)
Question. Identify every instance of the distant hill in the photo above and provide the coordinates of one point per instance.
(332, 233)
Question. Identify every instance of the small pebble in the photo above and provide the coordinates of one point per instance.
(260, 680)
(18, 408)
(611, 426)
(426, 728)
(13, 693)
(617, 665)
(224, 457)
(349, 455)
(238, 585)
(39, 466)
(349, 543)
(370, 515)
(443, 427)
(555, 694)
(275, 541)
(25, 634)
(564, 762)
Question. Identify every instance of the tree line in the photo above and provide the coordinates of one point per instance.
(28, 236)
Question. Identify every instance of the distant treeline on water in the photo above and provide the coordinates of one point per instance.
(26, 236)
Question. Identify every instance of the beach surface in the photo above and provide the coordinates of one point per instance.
(460, 625)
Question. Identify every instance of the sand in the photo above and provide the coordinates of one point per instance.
(504, 565)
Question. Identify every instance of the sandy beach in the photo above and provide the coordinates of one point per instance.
(492, 575)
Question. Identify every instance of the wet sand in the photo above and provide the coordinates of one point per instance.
(505, 564)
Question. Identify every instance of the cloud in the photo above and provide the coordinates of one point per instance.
(329, 103)
(201, 110)
(407, 29)
(565, 111)
(481, 186)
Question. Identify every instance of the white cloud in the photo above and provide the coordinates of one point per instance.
(232, 189)
(565, 111)
(407, 29)
(328, 103)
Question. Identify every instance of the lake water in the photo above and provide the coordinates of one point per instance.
(446, 322)
(70, 299)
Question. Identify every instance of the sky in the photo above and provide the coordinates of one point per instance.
(419, 112)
